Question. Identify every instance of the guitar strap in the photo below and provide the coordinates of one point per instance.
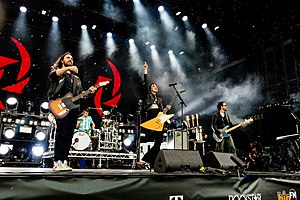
(75, 81)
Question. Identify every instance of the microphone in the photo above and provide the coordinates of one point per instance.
(182, 91)
(172, 84)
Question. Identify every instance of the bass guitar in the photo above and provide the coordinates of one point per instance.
(157, 123)
(62, 106)
(225, 131)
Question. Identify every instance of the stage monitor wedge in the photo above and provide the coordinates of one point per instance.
(170, 160)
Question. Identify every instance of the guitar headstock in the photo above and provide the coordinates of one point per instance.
(247, 121)
(103, 83)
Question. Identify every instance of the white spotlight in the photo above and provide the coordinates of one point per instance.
(131, 41)
(184, 18)
(181, 53)
(40, 135)
(204, 25)
(152, 47)
(146, 43)
(12, 104)
(9, 133)
(160, 8)
(178, 13)
(23, 9)
(109, 34)
(83, 27)
(94, 27)
(217, 27)
(43, 12)
(5, 148)
(127, 142)
(170, 52)
(55, 19)
(37, 150)
(135, 0)
(45, 105)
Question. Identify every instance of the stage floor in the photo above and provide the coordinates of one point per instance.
(112, 184)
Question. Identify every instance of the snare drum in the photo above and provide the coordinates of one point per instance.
(81, 140)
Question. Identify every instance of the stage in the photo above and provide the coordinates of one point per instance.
(43, 183)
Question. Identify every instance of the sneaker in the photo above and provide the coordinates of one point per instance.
(58, 166)
(66, 167)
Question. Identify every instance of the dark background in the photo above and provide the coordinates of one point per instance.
(259, 39)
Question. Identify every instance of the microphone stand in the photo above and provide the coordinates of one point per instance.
(182, 103)
(138, 134)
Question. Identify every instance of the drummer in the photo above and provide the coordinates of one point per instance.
(85, 123)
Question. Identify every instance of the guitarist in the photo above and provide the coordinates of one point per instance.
(153, 104)
(62, 81)
(219, 120)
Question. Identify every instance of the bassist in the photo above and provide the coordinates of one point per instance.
(220, 120)
(152, 105)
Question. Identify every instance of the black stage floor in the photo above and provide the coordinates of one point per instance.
(43, 183)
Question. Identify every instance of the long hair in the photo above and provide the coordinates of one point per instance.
(58, 63)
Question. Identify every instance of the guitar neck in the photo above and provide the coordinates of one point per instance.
(87, 92)
(171, 103)
(232, 128)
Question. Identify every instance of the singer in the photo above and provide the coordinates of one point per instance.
(62, 81)
(153, 104)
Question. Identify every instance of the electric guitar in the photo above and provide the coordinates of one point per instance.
(157, 123)
(62, 106)
(225, 131)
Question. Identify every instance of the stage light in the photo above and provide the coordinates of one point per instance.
(146, 43)
(5, 148)
(4, 119)
(12, 104)
(43, 12)
(109, 34)
(131, 40)
(94, 27)
(152, 47)
(184, 18)
(39, 135)
(9, 133)
(127, 142)
(170, 52)
(181, 53)
(178, 13)
(83, 27)
(204, 25)
(216, 28)
(23, 9)
(44, 108)
(37, 150)
(55, 19)
(160, 8)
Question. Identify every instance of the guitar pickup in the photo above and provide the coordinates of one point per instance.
(61, 106)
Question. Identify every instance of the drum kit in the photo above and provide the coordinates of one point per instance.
(104, 139)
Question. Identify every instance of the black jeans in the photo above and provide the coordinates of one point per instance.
(156, 136)
(64, 135)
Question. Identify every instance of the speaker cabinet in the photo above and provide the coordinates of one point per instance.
(169, 160)
(221, 160)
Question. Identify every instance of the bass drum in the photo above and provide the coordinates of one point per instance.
(81, 140)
